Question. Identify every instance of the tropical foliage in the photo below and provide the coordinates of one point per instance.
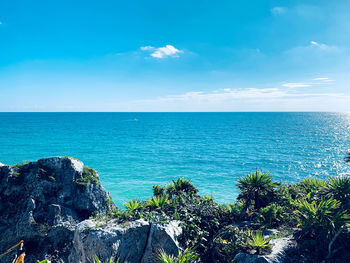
(320, 219)
(257, 241)
(187, 256)
(315, 211)
(256, 188)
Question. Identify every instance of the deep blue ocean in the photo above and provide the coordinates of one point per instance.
(133, 151)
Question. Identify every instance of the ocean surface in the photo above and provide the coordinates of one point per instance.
(133, 151)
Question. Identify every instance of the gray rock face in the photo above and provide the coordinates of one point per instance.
(134, 242)
(42, 202)
(277, 255)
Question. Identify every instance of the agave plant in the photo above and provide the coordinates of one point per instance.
(133, 205)
(187, 256)
(110, 260)
(271, 215)
(320, 219)
(256, 188)
(158, 201)
(257, 241)
(181, 185)
(312, 184)
(339, 189)
(158, 190)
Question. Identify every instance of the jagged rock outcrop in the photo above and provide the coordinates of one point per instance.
(42, 202)
(134, 242)
(278, 254)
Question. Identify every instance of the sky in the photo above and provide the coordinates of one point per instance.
(111, 55)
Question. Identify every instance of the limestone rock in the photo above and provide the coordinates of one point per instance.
(134, 242)
(42, 202)
(277, 255)
(162, 237)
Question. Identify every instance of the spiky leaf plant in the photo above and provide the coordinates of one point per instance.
(257, 241)
(187, 256)
(133, 205)
(339, 189)
(320, 219)
(158, 202)
(256, 188)
(110, 260)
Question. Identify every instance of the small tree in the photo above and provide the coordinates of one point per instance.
(256, 188)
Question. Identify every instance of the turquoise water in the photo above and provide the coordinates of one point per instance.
(133, 151)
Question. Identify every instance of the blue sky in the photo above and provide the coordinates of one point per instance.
(174, 55)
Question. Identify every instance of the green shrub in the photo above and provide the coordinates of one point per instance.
(89, 175)
(181, 185)
(158, 202)
(227, 243)
(320, 219)
(271, 215)
(256, 188)
(133, 205)
(257, 241)
(158, 190)
(339, 189)
(19, 165)
(187, 256)
(110, 260)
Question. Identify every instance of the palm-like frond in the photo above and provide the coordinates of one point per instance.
(187, 256)
(321, 217)
(133, 205)
(158, 201)
(257, 241)
(256, 187)
(339, 188)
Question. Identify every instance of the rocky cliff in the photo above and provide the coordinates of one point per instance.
(47, 204)
(42, 202)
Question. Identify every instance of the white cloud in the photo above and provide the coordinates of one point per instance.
(250, 99)
(321, 45)
(278, 10)
(162, 52)
(316, 82)
(296, 85)
(321, 79)
(147, 48)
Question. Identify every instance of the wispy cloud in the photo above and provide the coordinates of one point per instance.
(319, 45)
(296, 85)
(278, 10)
(323, 80)
(162, 52)
(249, 99)
(312, 48)
(314, 82)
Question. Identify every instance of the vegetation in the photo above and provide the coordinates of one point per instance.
(89, 175)
(256, 188)
(188, 256)
(272, 215)
(18, 165)
(257, 241)
(110, 260)
(316, 212)
(316, 209)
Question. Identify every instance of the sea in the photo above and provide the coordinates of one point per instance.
(134, 151)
